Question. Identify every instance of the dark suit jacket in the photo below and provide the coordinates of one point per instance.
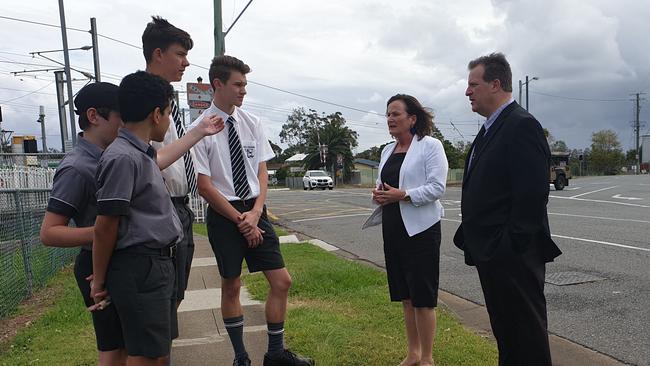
(505, 192)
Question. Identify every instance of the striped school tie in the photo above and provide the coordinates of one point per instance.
(239, 179)
(187, 158)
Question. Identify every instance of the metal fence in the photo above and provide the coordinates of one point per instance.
(25, 264)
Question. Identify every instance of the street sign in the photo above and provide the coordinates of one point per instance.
(199, 97)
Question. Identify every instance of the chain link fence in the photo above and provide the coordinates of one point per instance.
(25, 264)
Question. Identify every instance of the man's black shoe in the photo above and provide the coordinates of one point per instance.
(287, 358)
(241, 362)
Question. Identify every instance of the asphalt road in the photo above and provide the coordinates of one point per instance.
(602, 225)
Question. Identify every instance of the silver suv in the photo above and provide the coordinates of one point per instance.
(317, 179)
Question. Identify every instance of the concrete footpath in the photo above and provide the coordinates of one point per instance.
(203, 339)
(202, 336)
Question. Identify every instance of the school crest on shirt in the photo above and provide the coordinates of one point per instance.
(249, 150)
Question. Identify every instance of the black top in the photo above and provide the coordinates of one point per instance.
(390, 175)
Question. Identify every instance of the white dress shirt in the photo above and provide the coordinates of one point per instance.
(174, 175)
(213, 152)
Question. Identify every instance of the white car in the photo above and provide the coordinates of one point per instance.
(317, 179)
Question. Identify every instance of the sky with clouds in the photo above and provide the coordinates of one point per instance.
(589, 56)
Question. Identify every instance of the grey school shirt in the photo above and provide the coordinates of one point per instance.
(73, 188)
(129, 185)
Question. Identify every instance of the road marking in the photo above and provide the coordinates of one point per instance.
(331, 217)
(599, 217)
(602, 242)
(572, 188)
(601, 201)
(618, 196)
(586, 240)
(598, 190)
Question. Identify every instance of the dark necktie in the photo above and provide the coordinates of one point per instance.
(187, 158)
(240, 182)
(478, 144)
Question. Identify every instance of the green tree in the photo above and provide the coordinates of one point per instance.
(305, 131)
(606, 154)
(373, 153)
(630, 157)
(559, 145)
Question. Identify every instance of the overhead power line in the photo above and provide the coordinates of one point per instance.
(30, 93)
(43, 24)
(580, 99)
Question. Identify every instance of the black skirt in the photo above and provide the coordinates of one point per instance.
(412, 264)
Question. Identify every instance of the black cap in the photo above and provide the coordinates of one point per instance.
(97, 95)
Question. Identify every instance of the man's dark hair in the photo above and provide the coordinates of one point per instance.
(159, 33)
(222, 66)
(140, 93)
(496, 67)
(424, 118)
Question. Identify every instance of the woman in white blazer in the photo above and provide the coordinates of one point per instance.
(412, 178)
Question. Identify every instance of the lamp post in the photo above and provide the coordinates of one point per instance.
(526, 84)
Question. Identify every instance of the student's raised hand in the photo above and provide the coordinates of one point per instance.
(210, 125)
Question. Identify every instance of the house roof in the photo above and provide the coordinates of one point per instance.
(297, 157)
(370, 163)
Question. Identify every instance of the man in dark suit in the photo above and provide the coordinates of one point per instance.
(504, 230)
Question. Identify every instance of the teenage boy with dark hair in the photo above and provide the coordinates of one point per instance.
(136, 231)
(233, 179)
(165, 49)
(73, 198)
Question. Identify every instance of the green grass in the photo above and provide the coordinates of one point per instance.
(340, 314)
(200, 228)
(62, 336)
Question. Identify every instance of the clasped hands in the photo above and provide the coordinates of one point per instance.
(247, 225)
(385, 194)
(99, 295)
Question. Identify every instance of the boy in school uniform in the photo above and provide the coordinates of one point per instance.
(137, 228)
(233, 179)
(73, 198)
(165, 48)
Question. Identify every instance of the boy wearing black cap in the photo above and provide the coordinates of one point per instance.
(73, 198)
(137, 228)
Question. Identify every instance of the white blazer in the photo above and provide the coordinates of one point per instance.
(423, 176)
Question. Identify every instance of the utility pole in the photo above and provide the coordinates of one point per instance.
(219, 39)
(59, 80)
(66, 57)
(219, 34)
(637, 129)
(41, 120)
(520, 85)
(526, 92)
(93, 34)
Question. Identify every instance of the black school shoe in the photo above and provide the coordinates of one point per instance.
(241, 362)
(287, 358)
